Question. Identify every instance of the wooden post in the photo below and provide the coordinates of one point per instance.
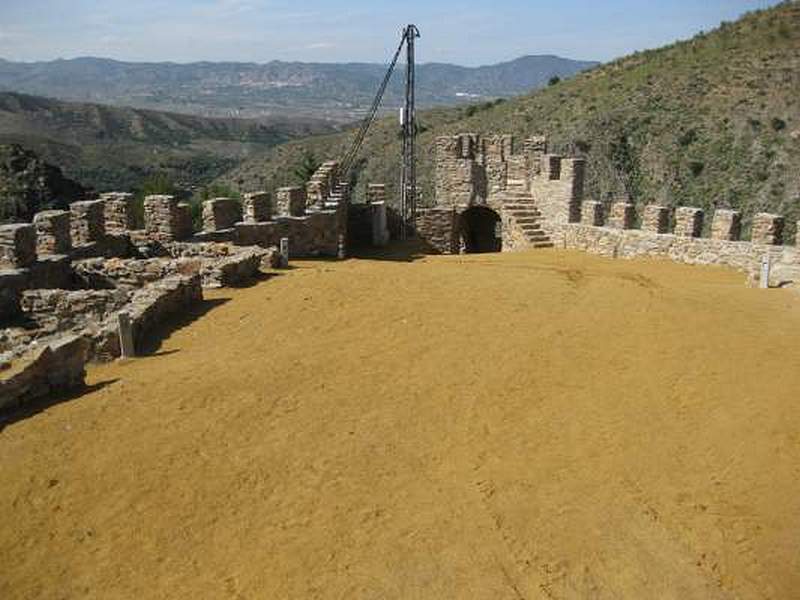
(763, 282)
(126, 347)
(284, 253)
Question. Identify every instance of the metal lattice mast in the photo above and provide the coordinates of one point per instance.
(408, 177)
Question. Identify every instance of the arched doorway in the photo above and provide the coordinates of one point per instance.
(480, 230)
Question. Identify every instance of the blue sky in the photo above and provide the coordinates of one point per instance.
(458, 31)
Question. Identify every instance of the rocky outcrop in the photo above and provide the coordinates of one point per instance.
(28, 185)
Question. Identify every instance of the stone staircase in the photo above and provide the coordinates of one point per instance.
(518, 203)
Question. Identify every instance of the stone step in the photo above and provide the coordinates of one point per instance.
(527, 219)
(525, 214)
(520, 206)
(535, 239)
(542, 245)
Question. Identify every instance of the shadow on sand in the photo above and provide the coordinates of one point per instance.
(150, 344)
(407, 251)
(34, 407)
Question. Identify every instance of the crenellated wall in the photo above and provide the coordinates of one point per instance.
(685, 244)
(536, 189)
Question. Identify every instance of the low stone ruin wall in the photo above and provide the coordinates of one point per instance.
(56, 367)
(149, 308)
(314, 234)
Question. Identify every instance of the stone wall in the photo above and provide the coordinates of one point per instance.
(655, 219)
(53, 235)
(87, 221)
(767, 229)
(460, 173)
(558, 189)
(54, 368)
(163, 220)
(685, 244)
(119, 211)
(257, 207)
(291, 202)
(17, 246)
(220, 214)
(727, 225)
(439, 228)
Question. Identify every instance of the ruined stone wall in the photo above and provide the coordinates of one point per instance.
(558, 190)
(119, 211)
(291, 202)
(439, 228)
(314, 234)
(55, 368)
(163, 218)
(220, 214)
(257, 207)
(461, 177)
(53, 234)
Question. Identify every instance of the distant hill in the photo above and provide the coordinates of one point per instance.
(110, 147)
(326, 90)
(713, 121)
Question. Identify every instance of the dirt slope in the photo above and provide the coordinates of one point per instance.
(537, 425)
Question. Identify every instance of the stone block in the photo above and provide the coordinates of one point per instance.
(220, 213)
(592, 213)
(688, 221)
(767, 229)
(257, 207)
(120, 215)
(726, 225)
(291, 201)
(622, 215)
(53, 235)
(655, 219)
(162, 218)
(17, 246)
(87, 221)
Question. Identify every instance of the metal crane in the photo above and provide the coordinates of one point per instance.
(408, 175)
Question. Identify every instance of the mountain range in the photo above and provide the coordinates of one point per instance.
(336, 91)
(107, 147)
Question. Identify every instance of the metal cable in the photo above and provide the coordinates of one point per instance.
(350, 156)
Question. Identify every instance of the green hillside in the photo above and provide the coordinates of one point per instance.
(713, 121)
(116, 148)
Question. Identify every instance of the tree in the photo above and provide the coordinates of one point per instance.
(554, 80)
(306, 168)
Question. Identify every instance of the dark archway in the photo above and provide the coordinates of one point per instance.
(480, 230)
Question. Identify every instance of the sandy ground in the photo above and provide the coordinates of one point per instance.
(536, 425)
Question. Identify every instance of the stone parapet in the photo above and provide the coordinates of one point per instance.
(162, 218)
(220, 213)
(257, 207)
(622, 215)
(291, 201)
(53, 235)
(17, 246)
(120, 215)
(592, 213)
(767, 229)
(688, 221)
(87, 221)
(726, 225)
(655, 219)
